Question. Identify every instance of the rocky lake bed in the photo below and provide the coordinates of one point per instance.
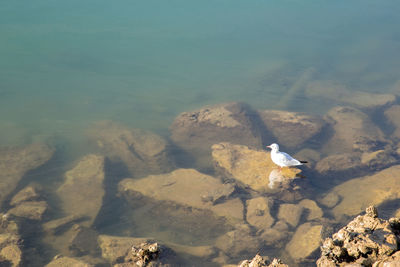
(208, 194)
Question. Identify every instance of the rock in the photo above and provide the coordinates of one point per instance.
(29, 193)
(142, 152)
(364, 241)
(258, 212)
(82, 192)
(59, 225)
(330, 200)
(239, 241)
(313, 211)
(339, 93)
(392, 261)
(186, 187)
(62, 261)
(310, 155)
(259, 261)
(196, 131)
(291, 128)
(305, 241)
(291, 213)
(16, 162)
(276, 235)
(248, 166)
(353, 131)
(355, 162)
(10, 250)
(371, 190)
(32, 210)
(392, 115)
(152, 254)
(83, 241)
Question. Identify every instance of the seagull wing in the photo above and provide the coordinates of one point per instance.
(288, 160)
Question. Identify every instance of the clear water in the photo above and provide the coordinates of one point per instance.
(66, 64)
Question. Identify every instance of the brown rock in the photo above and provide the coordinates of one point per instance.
(15, 162)
(82, 192)
(258, 213)
(291, 213)
(276, 235)
(371, 190)
(305, 241)
(392, 114)
(10, 249)
(291, 128)
(330, 200)
(251, 167)
(29, 193)
(62, 261)
(313, 211)
(58, 225)
(239, 241)
(186, 187)
(338, 92)
(83, 241)
(339, 163)
(353, 131)
(196, 131)
(142, 152)
(33, 210)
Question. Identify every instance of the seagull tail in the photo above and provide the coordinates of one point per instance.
(303, 161)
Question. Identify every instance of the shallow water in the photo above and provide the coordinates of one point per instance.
(67, 64)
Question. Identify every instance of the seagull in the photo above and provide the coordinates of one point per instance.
(283, 159)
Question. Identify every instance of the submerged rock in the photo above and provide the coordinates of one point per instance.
(32, 210)
(258, 213)
(29, 193)
(290, 213)
(291, 128)
(83, 241)
(366, 240)
(63, 261)
(196, 131)
(370, 190)
(188, 187)
(16, 162)
(392, 114)
(305, 241)
(82, 192)
(353, 131)
(250, 167)
(143, 152)
(56, 226)
(338, 92)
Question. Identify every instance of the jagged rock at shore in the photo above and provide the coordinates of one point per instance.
(189, 188)
(338, 92)
(142, 152)
(63, 261)
(10, 243)
(305, 241)
(250, 167)
(365, 241)
(291, 128)
(82, 192)
(16, 162)
(196, 131)
(259, 261)
(353, 131)
(356, 194)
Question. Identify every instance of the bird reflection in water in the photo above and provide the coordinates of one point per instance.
(282, 179)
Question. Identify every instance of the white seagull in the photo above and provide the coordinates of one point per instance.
(283, 159)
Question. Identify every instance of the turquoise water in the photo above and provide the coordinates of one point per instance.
(66, 64)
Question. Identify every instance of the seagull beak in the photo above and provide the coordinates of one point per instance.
(268, 146)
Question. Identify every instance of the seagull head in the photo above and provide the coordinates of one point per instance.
(274, 147)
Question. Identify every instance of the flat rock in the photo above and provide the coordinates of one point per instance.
(258, 212)
(16, 162)
(196, 131)
(83, 241)
(143, 152)
(340, 93)
(330, 200)
(371, 190)
(186, 187)
(291, 128)
(10, 250)
(392, 114)
(58, 225)
(313, 210)
(352, 131)
(250, 167)
(63, 261)
(290, 213)
(82, 192)
(32, 210)
(305, 241)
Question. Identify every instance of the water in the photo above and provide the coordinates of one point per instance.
(67, 64)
